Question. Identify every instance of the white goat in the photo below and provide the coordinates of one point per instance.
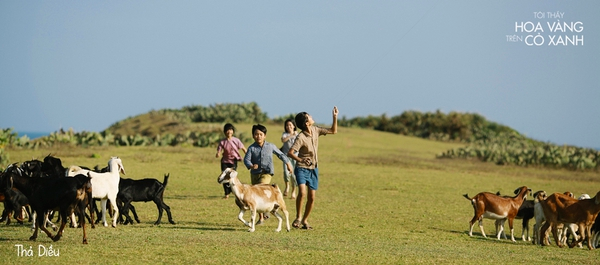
(105, 186)
(538, 213)
(261, 198)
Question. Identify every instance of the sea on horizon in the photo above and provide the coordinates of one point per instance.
(33, 135)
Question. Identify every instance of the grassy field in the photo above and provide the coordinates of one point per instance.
(382, 199)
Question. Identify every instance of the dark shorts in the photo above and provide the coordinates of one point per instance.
(309, 177)
(226, 186)
(228, 165)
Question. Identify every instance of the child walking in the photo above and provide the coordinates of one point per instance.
(259, 158)
(307, 162)
(229, 147)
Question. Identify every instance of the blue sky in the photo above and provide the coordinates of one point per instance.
(87, 64)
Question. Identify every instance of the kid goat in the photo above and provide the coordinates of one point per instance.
(259, 198)
(143, 190)
(105, 185)
(492, 206)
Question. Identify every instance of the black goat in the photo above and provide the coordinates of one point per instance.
(12, 198)
(14, 201)
(68, 195)
(143, 190)
(53, 166)
(596, 233)
(50, 167)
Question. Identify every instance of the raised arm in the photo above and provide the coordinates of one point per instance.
(333, 129)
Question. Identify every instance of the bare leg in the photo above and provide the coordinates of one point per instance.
(294, 186)
(287, 188)
(310, 201)
(302, 193)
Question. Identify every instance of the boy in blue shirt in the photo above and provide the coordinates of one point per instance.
(259, 158)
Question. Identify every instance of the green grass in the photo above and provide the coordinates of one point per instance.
(382, 198)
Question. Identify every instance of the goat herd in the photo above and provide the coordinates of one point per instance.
(569, 217)
(46, 186)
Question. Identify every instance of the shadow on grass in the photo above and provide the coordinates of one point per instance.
(187, 226)
(478, 236)
(185, 197)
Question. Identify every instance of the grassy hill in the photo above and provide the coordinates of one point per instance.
(383, 199)
(485, 140)
(158, 122)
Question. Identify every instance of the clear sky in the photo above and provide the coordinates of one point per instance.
(87, 64)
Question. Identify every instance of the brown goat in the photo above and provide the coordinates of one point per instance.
(559, 208)
(492, 206)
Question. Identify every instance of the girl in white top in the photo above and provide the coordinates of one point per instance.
(287, 138)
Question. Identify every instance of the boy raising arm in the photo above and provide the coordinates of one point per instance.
(307, 161)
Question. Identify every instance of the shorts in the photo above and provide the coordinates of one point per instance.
(309, 177)
(228, 165)
(260, 178)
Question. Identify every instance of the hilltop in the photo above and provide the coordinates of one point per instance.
(201, 126)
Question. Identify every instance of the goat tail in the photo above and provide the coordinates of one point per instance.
(166, 180)
(466, 195)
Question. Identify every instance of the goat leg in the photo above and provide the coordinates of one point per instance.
(512, 229)
(537, 237)
(587, 233)
(39, 219)
(74, 223)
(124, 211)
(544, 234)
(135, 216)
(279, 218)
(287, 219)
(241, 217)
(577, 240)
(43, 227)
(500, 228)
(481, 226)
(525, 227)
(160, 209)
(252, 220)
(63, 223)
(113, 203)
(8, 216)
(90, 206)
(168, 210)
(28, 209)
(555, 235)
(81, 213)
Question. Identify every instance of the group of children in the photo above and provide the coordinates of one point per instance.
(298, 154)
